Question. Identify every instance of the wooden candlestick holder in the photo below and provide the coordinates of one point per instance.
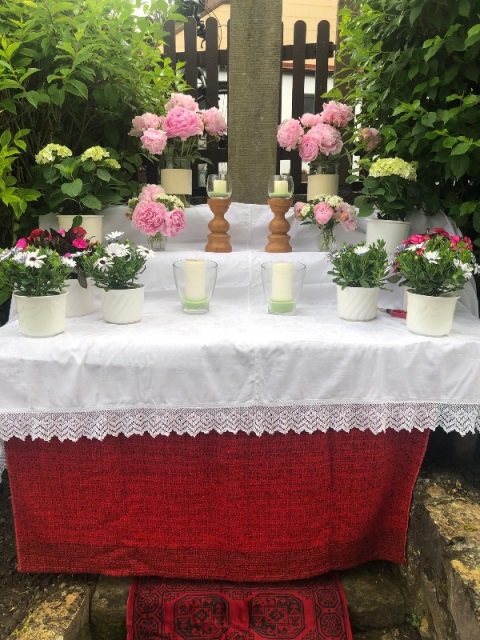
(278, 239)
(218, 240)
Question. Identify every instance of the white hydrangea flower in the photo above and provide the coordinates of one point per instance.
(94, 153)
(361, 250)
(117, 249)
(114, 235)
(334, 201)
(49, 153)
(432, 256)
(103, 264)
(112, 163)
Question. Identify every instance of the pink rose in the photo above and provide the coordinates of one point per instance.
(310, 119)
(22, 243)
(174, 223)
(347, 216)
(308, 149)
(149, 191)
(323, 212)
(327, 138)
(181, 100)
(336, 114)
(297, 210)
(370, 137)
(147, 121)
(289, 134)
(80, 243)
(154, 140)
(149, 217)
(182, 123)
(214, 122)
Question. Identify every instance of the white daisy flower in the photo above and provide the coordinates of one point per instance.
(68, 262)
(117, 249)
(114, 235)
(360, 251)
(144, 252)
(414, 247)
(464, 266)
(432, 256)
(33, 260)
(103, 264)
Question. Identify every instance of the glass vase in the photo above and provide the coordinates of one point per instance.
(323, 178)
(158, 242)
(326, 240)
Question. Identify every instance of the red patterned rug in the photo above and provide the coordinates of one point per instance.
(169, 609)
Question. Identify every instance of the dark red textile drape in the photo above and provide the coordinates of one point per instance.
(221, 506)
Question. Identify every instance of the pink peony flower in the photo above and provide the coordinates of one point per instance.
(22, 243)
(149, 217)
(289, 134)
(174, 223)
(346, 216)
(327, 138)
(147, 121)
(149, 191)
(323, 212)
(310, 119)
(308, 149)
(336, 114)
(214, 122)
(370, 137)
(154, 140)
(80, 243)
(182, 123)
(181, 100)
(297, 209)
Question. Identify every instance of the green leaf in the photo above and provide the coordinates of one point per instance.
(91, 202)
(461, 148)
(464, 7)
(460, 166)
(72, 189)
(104, 175)
(77, 88)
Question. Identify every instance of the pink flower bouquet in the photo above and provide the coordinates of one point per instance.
(177, 135)
(326, 212)
(157, 214)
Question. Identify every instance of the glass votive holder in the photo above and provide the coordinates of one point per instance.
(282, 285)
(219, 185)
(280, 186)
(195, 282)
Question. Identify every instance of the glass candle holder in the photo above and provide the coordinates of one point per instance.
(195, 282)
(219, 185)
(282, 285)
(280, 186)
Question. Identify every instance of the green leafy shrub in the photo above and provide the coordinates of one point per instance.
(360, 265)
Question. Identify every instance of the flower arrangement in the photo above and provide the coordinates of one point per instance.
(116, 265)
(389, 187)
(360, 265)
(434, 263)
(30, 271)
(182, 133)
(79, 184)
(316, 136)
(326, 212)
(156, 214)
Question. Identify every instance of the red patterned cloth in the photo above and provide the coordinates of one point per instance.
(163, 609)
(217, 506)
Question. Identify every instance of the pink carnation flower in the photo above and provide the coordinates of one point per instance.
(22, 243)
(336, 114)
(346, 216)
(297, 209)
(370, 137)
(149, 191)
(308, 149)
(181, 100)
(310, 119)
(289, 134)
(327, 138)
(174, 223)
(149, 217)
(80, 243)
(182, 123)
(323, 212)
(214, 122)
(147, 121)
(154, 140)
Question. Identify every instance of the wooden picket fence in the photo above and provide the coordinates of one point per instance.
(211, 58)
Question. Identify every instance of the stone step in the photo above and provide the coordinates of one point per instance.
(404, 632)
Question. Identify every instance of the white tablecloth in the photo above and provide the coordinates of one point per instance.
(238, 368)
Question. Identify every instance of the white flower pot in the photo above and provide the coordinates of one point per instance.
(93, 225)
(41, 316)
(357, 303)
(80, 301)
(177, 181)
(392, 231)
(322, 183)
(123, 306)
(430, 315)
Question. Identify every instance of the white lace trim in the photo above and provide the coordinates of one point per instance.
(377, 418)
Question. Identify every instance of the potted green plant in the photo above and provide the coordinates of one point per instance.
(115, 268)
(359, 271)
(36, 278)
(433, 267)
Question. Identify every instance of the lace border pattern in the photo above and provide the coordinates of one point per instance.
(258, 420)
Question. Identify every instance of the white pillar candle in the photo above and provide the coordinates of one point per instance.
(280, 186)
(282, 281)
(220, 186)
(195, 279)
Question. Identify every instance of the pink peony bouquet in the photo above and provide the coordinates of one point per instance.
(326, 212)
(316, 135)
(157, 214)
(181, 133)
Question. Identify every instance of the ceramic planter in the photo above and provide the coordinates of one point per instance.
(123, 306)
(357, 303)
(80, 301)
(93, 225)
(392, 231)
(430, 315)
(41, 316)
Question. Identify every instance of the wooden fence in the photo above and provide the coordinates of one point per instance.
(211, 58)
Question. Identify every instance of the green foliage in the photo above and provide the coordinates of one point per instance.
(360, 265)
(413, 67)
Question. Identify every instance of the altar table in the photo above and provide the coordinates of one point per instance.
(235, 445)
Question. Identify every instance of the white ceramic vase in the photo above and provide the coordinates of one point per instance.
(41, 316)
(123, 306)
(176, 181)
(80, 301)
(430, 315)
(357, 303)
(93, 225)
(392, 231)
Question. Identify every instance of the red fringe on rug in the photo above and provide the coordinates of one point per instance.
(170, 609)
